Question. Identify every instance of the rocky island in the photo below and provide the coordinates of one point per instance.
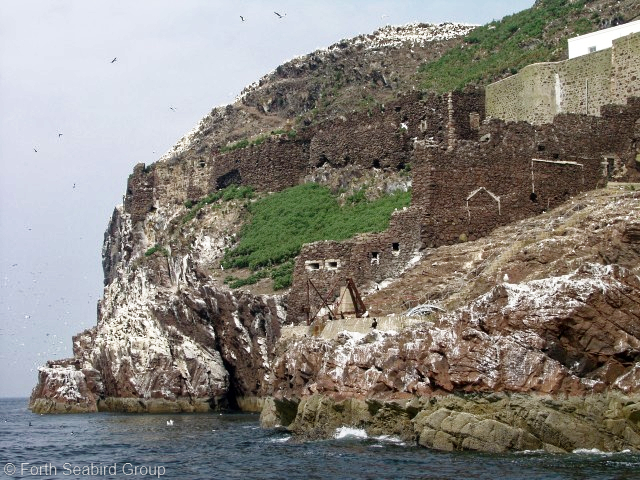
(499, 310)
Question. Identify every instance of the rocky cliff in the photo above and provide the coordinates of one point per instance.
(538, 347)
(170, 334)
(538, 323)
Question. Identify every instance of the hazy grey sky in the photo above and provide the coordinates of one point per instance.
(56, 77)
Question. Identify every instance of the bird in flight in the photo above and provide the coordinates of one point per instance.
(35, 150)
(114, 59)
(241, 18)
(279, 16)
(172, 109)
(59, 135)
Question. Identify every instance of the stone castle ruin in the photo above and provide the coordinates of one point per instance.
(474, 165)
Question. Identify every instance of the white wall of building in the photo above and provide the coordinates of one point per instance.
(596, 41)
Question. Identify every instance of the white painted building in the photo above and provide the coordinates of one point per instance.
(596, 41)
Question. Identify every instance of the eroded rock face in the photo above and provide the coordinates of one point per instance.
(572, 334)
(539, 348)
(482, 422)
(169, 337)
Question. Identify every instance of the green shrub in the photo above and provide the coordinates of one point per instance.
(235, 146)
(282, 275)
(156, 248)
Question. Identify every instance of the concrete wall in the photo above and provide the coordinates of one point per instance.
(580, 85)
(601, 40)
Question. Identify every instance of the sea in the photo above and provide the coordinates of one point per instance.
(234, 446)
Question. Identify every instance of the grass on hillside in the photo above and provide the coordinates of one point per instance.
(232, 192)
(505, 46)
(281, 223)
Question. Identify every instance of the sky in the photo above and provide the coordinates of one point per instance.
(74, 122)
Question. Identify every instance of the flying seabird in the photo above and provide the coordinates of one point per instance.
(34, 149)
(169, 422)
(279, 16)
(114, 59)
(173, 109)
(59, 135)
(241, 18)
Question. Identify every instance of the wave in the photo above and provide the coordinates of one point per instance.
(350, 432)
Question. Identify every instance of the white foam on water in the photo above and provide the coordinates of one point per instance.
(590, 451)
(350, 432)
(390, 439)
(280, 440)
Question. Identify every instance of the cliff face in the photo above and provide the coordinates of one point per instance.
(541, 310)
(170, 335)
(539, 346)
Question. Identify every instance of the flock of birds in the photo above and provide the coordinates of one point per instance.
(115, 59)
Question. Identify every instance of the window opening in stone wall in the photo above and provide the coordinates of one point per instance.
(541, 148)
(533, 197)
(322, 160)
(313, 266)
(395, 246)
(202, 163)
(376, 163)
(332, 264)
(375, 258)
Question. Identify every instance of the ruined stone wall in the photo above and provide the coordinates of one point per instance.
(580, 85)
(139, 199)
(384, 136)
(519, 170)
(276, 164)
(381, 138)
(367, 259)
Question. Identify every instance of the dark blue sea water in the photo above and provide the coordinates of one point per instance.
(230, 446)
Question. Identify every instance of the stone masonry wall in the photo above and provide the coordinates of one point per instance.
(579, 85)
(519, 170)
(381, 138)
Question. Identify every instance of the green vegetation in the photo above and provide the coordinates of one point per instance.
(504, 47)
(281, 223)
(281, 276)
(157, 248)
(244, 143)
(232, 192)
